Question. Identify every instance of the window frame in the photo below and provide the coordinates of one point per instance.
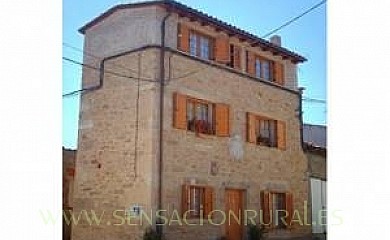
(272, 142)
(198, 37)
(263, 63)
(211, 130)
(273, 214)
(205, 200)
(269, 210)
(201, 200)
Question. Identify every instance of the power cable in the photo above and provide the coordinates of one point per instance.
(314, 100)
(120, 66)
(97, 57)
(294, 19)
(105, 71)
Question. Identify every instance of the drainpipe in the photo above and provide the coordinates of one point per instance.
(301, 89)
(159, 227)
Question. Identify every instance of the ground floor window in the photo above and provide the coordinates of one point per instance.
(197, 201)
(277, 209)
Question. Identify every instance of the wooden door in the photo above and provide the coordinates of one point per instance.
(233, 203)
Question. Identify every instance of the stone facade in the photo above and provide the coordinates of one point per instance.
(117, 159)
(68, 170)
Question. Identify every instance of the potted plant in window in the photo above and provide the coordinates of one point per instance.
(255, 232)
(201, 126)
(151, 234)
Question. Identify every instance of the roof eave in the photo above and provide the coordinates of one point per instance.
(295, 58)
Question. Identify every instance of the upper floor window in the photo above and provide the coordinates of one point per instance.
(258, 68)
(200, 45)
(267, 70)
(193, 44)
(204, 47)
(200, 116)
(263, 69)
(235, 57)
(266, 131)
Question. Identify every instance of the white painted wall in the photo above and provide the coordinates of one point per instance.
(318, 203)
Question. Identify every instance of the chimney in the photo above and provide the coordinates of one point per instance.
(277, 40)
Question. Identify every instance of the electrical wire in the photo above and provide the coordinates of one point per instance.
(120, 66)
(105, 71)
(96, 57)
(294, 19)
(314, 100)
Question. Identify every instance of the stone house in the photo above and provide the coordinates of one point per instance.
(68, 171)
(185, 115)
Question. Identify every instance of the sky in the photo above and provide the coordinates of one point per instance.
(306, 36)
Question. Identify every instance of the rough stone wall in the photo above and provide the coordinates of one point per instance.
(317, 163)
(115, 161)
(68, 170)
(113, 172)
(187, 156)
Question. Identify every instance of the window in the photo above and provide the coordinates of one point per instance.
(277, 209)
(200, 116)
(235, 57)
(197, 201)
(263, 69)
(196, 195)
(267, 70)
(193, 44)
(258, 68)
(266, 132)
(204, 47)
(200, 45)
(231, 53)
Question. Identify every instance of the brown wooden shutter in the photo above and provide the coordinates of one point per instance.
(222, 120)
(208, 201)
(265, 201)
(278, 73)
(251, 63)
(251, 128)
(281, 135)
(222, 49)
(289, 208)
(179, 111)
(185, 199)
(184, 38)
(237, 57)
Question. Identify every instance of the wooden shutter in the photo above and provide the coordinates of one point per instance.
(222, 49)
(237, 57)
(222, 120)
(251, 128)
(179, 111)
(289, 208)
(183, 40)
(185, 199)
(251, 63)
(281, 135)
(265, 202)
(208, 201)
(278, 73)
